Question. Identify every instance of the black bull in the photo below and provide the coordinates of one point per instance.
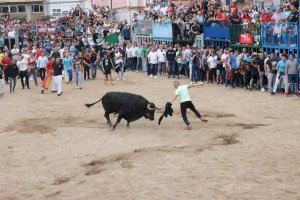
(130, 107)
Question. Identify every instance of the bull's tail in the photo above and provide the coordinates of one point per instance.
(91, 104)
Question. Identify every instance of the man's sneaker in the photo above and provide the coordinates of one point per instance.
(151, 76)
(118, 79)
(77, 87)
(272, 93)
(155, 76)
(262, 90)
(189, 127)
(123, 79)
(203, 119)
(59, 95)
(286, 94)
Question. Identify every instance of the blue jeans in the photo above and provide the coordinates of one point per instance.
(153, 69)
(79, 80)
(171, 66)
(161, 66)
(70, 74)
(33, 72)
(195, 73)
(139, 64)
(94, 70)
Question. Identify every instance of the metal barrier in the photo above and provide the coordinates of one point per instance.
(281, 38)
(237, 29)
(142, 38)
(162, 41)
(216, 34)
(199, 41)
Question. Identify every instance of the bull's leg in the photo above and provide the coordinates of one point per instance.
(106, 115)
(118, 121)
(128, 122)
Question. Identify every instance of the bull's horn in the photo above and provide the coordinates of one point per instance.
(149, 107)
(158, 108)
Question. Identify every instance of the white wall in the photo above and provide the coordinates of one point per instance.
(66, 5)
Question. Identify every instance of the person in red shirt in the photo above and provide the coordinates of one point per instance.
(5, 62)
(38, 53)
(219, 15)
(265, 17)
(246, 17)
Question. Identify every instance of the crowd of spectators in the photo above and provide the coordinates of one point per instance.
(188, 20)
(77, 46)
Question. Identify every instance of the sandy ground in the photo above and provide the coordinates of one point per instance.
(54, 148)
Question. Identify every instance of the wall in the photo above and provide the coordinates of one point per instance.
(66, 5)
(117, 4)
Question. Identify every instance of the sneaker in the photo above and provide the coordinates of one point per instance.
(286, 94)
(296, 94)
(189, 127)
(203, 119)
(59, 95)
(155, 76)
(77, 87)
(262, 90)
(151, 76)
(42, 91)
(118, 79)
(272, 93)
(123, 79)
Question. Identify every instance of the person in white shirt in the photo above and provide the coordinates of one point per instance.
(22, 65)
(225, 60)
(161, 53)
(182, 91)
(41, 65)
(15, 52)
(212, 64)
(128, 57)
(153, 60)
(62, 52)
(119, 65)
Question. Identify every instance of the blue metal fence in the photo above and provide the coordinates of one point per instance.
(281, 38)
(217, 34)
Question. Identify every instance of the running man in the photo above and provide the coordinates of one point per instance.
(186, 102)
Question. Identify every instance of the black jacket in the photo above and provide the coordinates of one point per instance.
(57, 68)
(12, 71)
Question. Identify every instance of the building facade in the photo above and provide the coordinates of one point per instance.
(62, 7)
(32, 10)
(29, 10)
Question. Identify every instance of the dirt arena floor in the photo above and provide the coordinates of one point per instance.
(55, 148)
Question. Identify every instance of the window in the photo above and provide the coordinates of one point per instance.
(65, 12)
(21, 8)
(41, 8)
(13, 9)
(5, 9)
(56, 12)
(0, 9)
(37, 8)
